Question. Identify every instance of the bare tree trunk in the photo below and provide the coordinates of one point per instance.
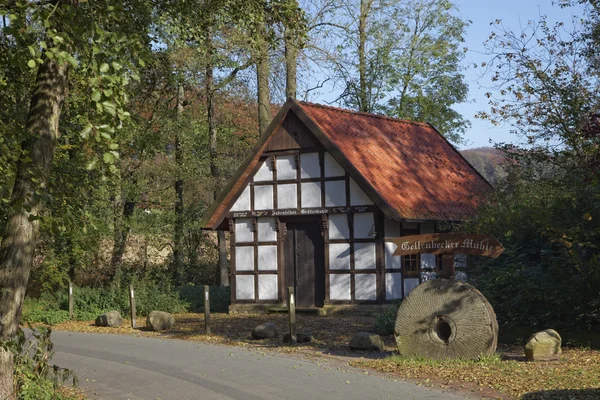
(264, 93)
(214, 170)
(178, 235)
(124, 208)
(21, 229)
(291, 59)
(363, 100)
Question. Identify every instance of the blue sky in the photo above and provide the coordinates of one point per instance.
(513, 14)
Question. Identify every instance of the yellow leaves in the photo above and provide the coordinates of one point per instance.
(587, 217)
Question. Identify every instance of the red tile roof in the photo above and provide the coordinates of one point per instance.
(413, 172)
(409, 164)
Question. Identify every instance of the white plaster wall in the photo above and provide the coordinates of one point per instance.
(339, 287)
(311, 194)
(267, 258)
(363, 224)
(244, 258)
(410, 284)
(391, 261)
(364, 256)
(428, 275)
(243, 202)
(338, 226)
(427, 261)
(365, 287)
(310, 166)
(244, 287)
(393, 286)
(332, 168)
(243, 230)
(265, 172)
(335, 194)
(357, 196)
(263, 197)
(286, 167)
(287, 196)
(267, 287)
(339, 256)
(266, 229)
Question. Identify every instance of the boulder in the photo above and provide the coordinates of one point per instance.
(300, 338)
(159, 320)
(111, 318)
(366, 341)
(544, 346)
(267, 330)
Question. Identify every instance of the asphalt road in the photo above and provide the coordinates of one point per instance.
(125, 367)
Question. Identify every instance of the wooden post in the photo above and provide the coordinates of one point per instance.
(70, 300)
(132, 305)
(447, 266)
(292, 312)
(207, 309)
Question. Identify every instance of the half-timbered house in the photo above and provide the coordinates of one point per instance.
(315, 205)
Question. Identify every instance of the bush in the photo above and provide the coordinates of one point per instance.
(35, 377)
(385, 322)
(220, 297)
(88, 303)
(44, 311)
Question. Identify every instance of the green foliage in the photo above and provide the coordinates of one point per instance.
(36, 378)
(385, 322)
(549, 274)
(410, 64)
(220, 298)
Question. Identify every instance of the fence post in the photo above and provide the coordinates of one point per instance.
(70, 300)
(292, 313)
(207, 309)
(132, 305)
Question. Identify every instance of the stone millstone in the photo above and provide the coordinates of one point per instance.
(111, 318)
(544, 346)
(159, 320)
(444, 318)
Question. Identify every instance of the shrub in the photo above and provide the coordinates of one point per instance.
(193, 295)
(35, 377)
(386, 320)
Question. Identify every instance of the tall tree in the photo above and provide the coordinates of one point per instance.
(402, 59)
(59, 35)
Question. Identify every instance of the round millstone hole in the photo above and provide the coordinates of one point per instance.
(443, 329)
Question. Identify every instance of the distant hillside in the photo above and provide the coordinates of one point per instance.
(488, 161)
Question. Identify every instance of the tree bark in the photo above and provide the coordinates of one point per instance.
(214, 170)
(22, 226)
(363, 97)
(178, 234)
(291, 60)
(124, 208)
(264, 93)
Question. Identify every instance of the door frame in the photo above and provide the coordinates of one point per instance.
(308, 219)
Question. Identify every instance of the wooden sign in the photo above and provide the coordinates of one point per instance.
(449, 243)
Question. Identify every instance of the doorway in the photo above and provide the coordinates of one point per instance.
(304, 262)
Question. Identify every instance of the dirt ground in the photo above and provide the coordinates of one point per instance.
(505, 376)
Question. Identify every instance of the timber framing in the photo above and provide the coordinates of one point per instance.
(318, 202)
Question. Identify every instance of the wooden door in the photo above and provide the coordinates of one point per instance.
(305, 263)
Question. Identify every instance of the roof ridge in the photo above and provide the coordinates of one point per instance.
(362, 113)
